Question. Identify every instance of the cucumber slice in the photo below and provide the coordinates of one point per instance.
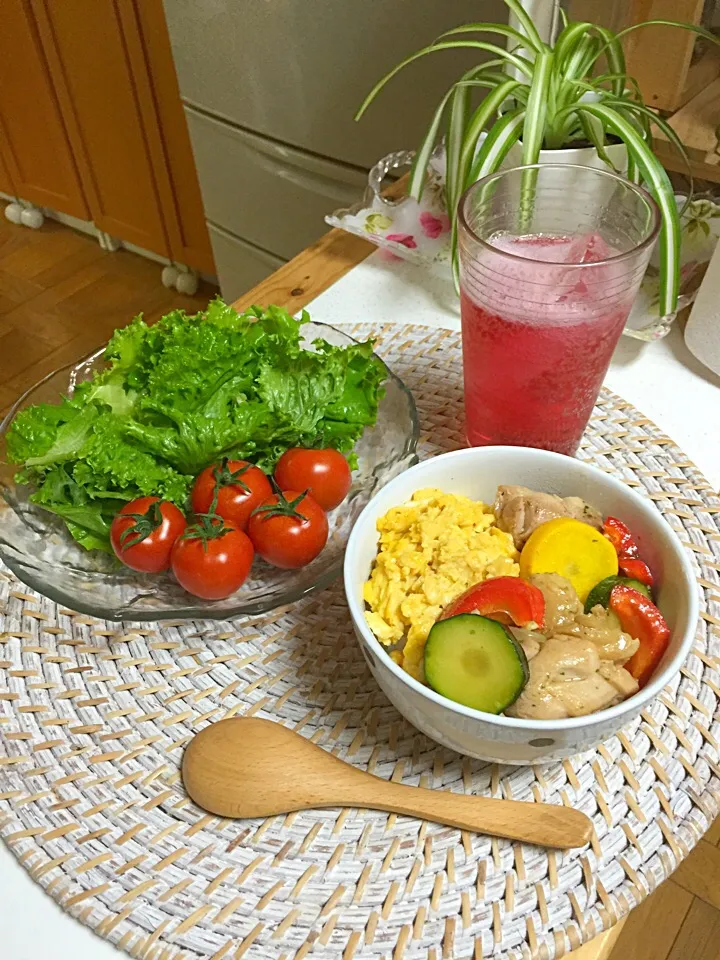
(475, 661)
(600, 593)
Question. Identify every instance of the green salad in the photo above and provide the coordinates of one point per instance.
(181, 394)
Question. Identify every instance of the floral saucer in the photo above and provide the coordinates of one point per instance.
(420, 232)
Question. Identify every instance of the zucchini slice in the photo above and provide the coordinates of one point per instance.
(600, 593)
(475, 661)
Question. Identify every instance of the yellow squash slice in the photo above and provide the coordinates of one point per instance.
(573, 549)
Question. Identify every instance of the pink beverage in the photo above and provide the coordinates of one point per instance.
(533, 381)
(542, 312)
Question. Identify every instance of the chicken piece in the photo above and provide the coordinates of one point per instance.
(519, 510)
(562, 604)
(529, 640)
(602, 628)
(537, 703)
(563, 682)
(560, 663)
(568, 658)
(577, 669)
(581, 697)
(625, 684)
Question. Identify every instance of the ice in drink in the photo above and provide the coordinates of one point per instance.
(538, 334)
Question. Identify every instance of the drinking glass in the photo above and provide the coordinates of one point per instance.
(551, 259)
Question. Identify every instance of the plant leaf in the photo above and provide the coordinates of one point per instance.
(615, 57)
(504, 134)
(568, 40)
(633, 171)
(520, 63)
(500, 28)
(459, 106)
(536, 111)
(661, 124)
(595, 133)
(580, 56)
(630, 90)
(638, 120)
(526, 22)
(490, 105)
(418, 170)
(700, 31)
(654, 175)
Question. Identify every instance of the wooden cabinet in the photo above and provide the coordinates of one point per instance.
(95, 125)
(6, 182)
(106, 119)
(180, 190)
(33, 137)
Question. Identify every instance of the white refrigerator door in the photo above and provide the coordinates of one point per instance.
(239, 264)
(272, 195)
(297, 70)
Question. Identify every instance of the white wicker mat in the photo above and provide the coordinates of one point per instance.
(94, 716)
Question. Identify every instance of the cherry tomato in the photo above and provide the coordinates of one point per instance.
(143, 532)
(288, 529)
(239, 485)
(324, 473)
(212, 560)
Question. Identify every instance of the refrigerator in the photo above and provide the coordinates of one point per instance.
(270, 88)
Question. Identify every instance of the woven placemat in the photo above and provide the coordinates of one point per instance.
(94, 717)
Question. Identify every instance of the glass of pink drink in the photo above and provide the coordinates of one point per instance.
(551, 258)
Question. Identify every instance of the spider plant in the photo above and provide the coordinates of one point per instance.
(547, 96)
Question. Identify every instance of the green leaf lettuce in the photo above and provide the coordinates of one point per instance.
(180, 394)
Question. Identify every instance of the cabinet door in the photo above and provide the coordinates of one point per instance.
(88, 58)
(6, 181)
(35, 143)
(152, 63)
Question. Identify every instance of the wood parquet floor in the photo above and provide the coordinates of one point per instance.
(61, 296)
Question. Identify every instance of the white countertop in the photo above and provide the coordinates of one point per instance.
(662, 379)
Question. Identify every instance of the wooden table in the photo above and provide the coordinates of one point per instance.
(293, 286)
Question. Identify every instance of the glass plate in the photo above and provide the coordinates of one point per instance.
(38, 549)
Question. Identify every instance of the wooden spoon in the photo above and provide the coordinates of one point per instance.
(246, 767)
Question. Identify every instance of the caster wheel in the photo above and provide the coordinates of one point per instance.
(169, 276)
(14, 212)
(187, 283)
(32, 217)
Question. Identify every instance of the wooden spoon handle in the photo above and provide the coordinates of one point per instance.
(549, 825)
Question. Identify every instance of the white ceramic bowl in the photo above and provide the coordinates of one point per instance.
(476, 473)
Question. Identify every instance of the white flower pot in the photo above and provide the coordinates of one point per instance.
(578, 156)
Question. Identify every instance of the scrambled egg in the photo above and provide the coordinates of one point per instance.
(431, 550)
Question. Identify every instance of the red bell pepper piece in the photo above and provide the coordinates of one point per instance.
(619, 535)
(502, 598)
(640, 618)
(629, 561)
(636, 569)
